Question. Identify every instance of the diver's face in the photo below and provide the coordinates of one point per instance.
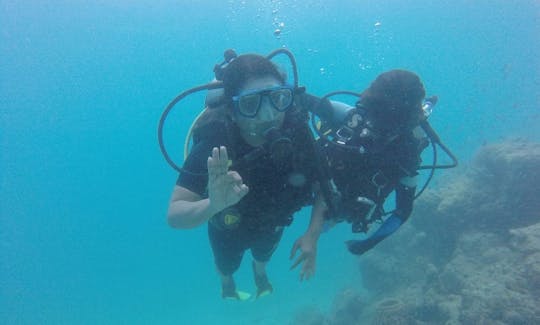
(254, 126)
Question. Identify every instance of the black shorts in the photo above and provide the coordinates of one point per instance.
(229, 244)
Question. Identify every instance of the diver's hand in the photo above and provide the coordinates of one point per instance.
(225, 188)
(308, 247)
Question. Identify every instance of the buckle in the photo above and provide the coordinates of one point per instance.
(344, 134)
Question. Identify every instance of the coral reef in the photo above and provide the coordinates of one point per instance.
(471, 251)
(310, 315)
(392, 311)
(347, 309)
(498, 192)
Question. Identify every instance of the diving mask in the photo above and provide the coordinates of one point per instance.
(248, 104)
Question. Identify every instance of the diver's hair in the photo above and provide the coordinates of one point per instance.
(239, 71)
(246, 67)
(395, 96)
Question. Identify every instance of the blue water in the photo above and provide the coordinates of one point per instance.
(84, 188)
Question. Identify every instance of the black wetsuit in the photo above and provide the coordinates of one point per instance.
(374, 175)
(276, 191)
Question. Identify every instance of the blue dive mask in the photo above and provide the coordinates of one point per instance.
(248, 104)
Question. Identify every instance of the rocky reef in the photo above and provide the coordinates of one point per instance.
(470, 254)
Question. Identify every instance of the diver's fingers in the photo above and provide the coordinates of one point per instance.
(294, 249)
(213, 161)
(241, 190)
(234, 177)
(299, 260)
(210, 166)
(308, 271)
(223, 153)
(304, 274)
(234, 180)
(223, 159)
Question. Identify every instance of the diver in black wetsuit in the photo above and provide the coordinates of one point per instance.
(373, 151)
(250, 168)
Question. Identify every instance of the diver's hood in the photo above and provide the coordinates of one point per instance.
(388, 121)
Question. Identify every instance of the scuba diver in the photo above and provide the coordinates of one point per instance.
(250, 168)
(372, 150)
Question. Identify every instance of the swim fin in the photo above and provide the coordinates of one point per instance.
(264, 288)
(229, 292)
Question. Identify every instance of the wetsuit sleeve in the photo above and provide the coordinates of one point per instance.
(404, 206)
(194, 173)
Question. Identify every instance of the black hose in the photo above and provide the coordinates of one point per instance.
(431, 173)
(208, 86)
(291, 58)
(436, 140)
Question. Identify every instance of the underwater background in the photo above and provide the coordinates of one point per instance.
(84, 188)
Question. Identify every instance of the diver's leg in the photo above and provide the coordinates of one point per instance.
(228, 253)
(262, 250)
(259, 268)
(228, 287)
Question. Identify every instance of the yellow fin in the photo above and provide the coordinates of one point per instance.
(264, 293)
(243, 296)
